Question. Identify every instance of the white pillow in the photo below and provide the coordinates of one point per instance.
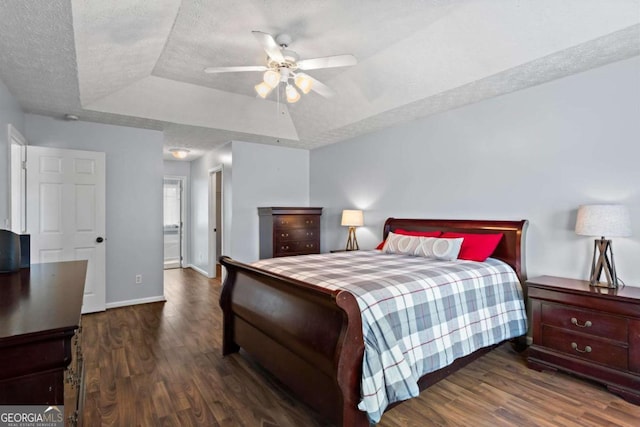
(428, 247)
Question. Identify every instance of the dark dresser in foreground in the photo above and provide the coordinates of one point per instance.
(288, 231)
(40, 353)
(588, 331)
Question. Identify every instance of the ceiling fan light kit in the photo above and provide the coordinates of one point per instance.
(281, 66)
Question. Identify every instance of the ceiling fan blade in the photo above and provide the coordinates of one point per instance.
(269, 45)
(327, 62)
(215, 70)
(321, 88)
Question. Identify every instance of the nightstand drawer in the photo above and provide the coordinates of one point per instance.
(585, 347)
(585, 321)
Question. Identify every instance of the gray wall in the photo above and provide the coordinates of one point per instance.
(199, 238)
(134, 171)
(264, 175)
(176, 168)
(534, 154)
(10, 113)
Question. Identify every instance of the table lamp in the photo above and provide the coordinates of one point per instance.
(352, 219)
(603, 220)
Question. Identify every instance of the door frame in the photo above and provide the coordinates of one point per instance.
(183, 215)
(213, 208)
(14, 137)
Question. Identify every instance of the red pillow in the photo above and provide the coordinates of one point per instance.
(412, 233)
(475, 247)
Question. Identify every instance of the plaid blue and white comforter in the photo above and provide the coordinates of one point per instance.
(418, 314)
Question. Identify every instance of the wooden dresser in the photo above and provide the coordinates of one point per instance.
(289, 231)
(588, 331)
(40, 353)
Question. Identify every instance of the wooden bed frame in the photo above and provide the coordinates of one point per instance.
(310, 338)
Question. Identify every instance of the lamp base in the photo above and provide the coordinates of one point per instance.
(603, 263)
(352, 242)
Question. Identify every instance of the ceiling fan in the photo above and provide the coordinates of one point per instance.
(283, 65)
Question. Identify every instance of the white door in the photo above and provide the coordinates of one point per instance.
(66, 213)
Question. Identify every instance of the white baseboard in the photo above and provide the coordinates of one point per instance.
(159, 298)
(199, 270)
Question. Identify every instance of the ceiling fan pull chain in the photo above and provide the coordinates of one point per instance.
(278, 100)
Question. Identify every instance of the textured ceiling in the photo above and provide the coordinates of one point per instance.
(140, 62)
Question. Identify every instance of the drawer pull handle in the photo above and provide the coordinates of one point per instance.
(586, 324)
(587, 349)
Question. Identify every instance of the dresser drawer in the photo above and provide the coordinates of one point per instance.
(300, 234)
(585, 347)
(295, 221)
(585, 321)
(297, 248)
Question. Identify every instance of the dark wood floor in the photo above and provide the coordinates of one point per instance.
(160, 365)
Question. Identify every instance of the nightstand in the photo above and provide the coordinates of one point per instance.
(587, 331)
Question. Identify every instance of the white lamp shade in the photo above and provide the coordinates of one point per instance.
(271, 78)
(292, 94)
(262, 89)
(304, 83)
(603, 220)
(352, 218)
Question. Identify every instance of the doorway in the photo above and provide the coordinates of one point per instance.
(174, 221)
(17, 218)
(215, 221)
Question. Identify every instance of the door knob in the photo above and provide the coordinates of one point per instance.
(99, 240)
